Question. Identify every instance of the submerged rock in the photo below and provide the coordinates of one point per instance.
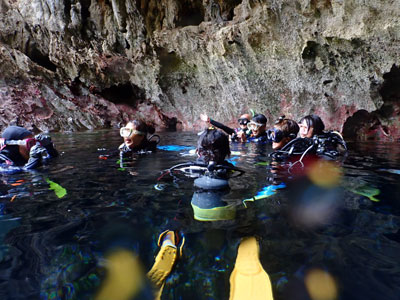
(78, 64)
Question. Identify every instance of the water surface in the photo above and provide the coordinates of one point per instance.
(54, 248)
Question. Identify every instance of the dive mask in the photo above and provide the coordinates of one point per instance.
(254, 125)
(275, 135)
(28, 143)
(126, 132)
(243, 121)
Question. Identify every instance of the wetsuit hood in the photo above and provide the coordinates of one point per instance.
(15, 133)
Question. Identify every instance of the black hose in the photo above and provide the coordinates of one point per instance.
(156, 136)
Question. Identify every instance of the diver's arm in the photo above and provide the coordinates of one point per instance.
(240, 136)
(225, 128)
(46, 142)
(36, 156)
(4, 159)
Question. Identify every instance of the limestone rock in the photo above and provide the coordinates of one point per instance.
(170, 60)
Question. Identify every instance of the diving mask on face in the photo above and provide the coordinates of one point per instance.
(126, 132)
(254, 125)
(28, 143)
(243, 121)
(275, 135)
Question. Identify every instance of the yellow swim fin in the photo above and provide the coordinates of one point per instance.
(125, 277)
(248, 279)
(164, 262)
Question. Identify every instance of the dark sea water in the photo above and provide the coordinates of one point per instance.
(54, 248)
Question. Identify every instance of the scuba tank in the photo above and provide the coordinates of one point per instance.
(207, 200)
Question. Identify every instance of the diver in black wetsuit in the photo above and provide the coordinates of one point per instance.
(311, 125)
(210, 188)
(211, 171)
(212, 149)
(136, 140)
(283, 132)
(258, 126)
(240, 134)
(21, 150)
(314, 140)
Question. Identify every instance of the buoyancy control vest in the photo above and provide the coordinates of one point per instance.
(329, 145)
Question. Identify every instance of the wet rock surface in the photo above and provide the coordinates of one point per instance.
(79, 64)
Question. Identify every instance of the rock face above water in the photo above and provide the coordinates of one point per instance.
(77, 64)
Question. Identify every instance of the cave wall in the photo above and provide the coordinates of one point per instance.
(73, 64)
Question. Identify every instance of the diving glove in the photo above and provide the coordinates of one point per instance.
(36, 156)
(44, 139)
(46, 142)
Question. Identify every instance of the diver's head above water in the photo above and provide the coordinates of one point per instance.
(135, 133)
(258, 125)
(213, 146)
(311, 125)
(243, 121)
(283, 132)
(16, 133)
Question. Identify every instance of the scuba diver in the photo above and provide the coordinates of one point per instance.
(314, 140)
(236, 135)
(248, 279)
(211, 171)
(136, 140)
(311, 125)
(212, 185)
(283, 132)
(212, 149)
(257, 125)
(21, 150)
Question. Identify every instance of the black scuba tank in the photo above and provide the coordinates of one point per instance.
(210, 183)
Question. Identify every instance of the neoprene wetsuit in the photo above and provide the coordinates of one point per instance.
(145, 146)
(263, 138)
(230, 131)
(39, 153)
(328, 145)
